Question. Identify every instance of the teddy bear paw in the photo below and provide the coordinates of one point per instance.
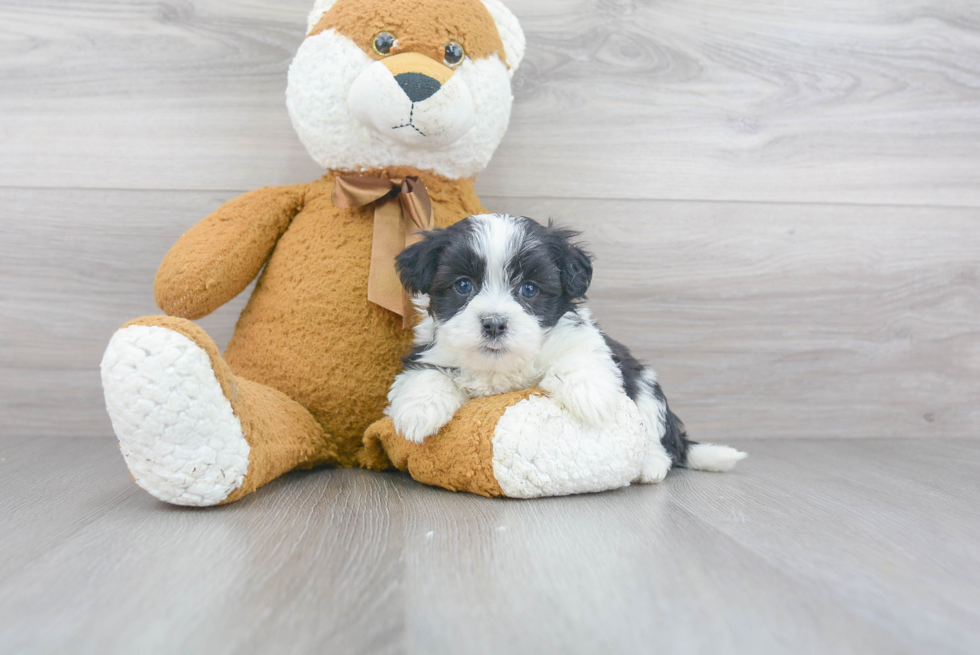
(177, 431)
(541, 450)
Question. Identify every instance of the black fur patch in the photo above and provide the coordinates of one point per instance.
(574, 263)
(433, 266)
(629, 366)
(562, 271)
(412, 361)
(675, 439)
(417, 264)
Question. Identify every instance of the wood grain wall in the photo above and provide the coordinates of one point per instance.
(784, 197)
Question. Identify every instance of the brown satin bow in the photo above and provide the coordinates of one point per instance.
(401, 208)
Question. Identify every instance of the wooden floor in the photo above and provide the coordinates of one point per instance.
(812, 546)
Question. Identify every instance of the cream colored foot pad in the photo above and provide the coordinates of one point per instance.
(539, 451)
(177, 431)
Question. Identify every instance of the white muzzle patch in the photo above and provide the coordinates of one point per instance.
(380, 102)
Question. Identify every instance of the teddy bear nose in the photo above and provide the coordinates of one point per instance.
(417, 86)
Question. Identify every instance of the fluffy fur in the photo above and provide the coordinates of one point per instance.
(501, 297)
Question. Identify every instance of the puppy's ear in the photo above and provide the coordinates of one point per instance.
(574, 263)
(418, 263)
(576, 275)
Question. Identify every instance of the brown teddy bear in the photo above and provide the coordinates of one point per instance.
(403, 102)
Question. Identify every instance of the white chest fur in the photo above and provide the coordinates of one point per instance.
(479, 383)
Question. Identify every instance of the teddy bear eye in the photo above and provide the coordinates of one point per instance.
(383, 43)
(454, 53)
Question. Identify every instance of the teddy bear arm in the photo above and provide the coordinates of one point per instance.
(519, 445)
(217, 258)
(459, 458)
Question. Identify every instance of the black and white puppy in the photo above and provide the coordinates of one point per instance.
(502, 299)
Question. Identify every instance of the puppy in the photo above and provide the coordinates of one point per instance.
(501, 296)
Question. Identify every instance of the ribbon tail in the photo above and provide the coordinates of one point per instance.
(384, 287)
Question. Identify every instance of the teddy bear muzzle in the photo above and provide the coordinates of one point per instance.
(413, 100)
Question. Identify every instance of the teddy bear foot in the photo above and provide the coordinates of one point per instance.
(538, 450)
(177, 430)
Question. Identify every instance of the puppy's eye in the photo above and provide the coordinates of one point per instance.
(454, 53)
(464, 287)
(383, 43)
(529, 290)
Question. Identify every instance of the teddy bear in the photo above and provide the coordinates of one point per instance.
(403, 103)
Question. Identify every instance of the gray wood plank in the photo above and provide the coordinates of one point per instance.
(311, 564)
(811, 546)
(866, 521)
(762, 319)
(844, 101)
(167, 91)
(68, 478)
(622, 572)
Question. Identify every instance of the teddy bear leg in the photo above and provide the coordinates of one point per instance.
(520, 445)
(190, 431)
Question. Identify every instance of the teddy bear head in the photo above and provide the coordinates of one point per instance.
(419, 83)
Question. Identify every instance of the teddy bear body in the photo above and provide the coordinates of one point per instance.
(307, 330)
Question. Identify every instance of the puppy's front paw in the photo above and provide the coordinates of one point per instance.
(421, 403)
(592, 401)
(423, 419)
(418, 418)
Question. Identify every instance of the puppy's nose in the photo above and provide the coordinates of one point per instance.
(418, 87)
(494, 326)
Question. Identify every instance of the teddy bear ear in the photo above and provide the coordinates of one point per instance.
(320, 7)
(510, 33)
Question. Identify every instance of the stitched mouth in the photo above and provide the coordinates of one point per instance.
(410, 123)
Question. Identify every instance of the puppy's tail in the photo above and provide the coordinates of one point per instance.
(694, 455)
(682, 451)
(711, 457)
